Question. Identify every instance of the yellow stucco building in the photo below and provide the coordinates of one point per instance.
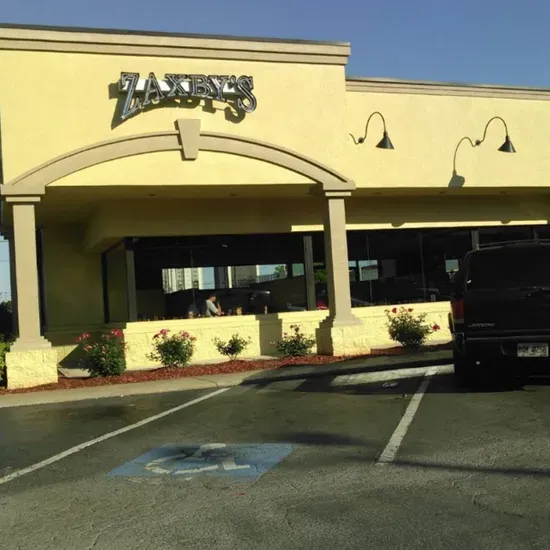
(122, 153)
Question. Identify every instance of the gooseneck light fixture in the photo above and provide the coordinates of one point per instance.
(384, 143)
(506, 147)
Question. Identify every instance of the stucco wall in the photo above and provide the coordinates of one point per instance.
(300, 106)
(147, 217)
(425, 130)
(72, 279)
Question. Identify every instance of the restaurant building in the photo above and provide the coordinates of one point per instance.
(126, 155)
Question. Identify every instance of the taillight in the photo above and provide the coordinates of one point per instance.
(457, 307)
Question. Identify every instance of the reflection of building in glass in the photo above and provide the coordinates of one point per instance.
(244, 275)
(205, 278)
(185, 278)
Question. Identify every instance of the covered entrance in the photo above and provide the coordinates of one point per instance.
(141, 235)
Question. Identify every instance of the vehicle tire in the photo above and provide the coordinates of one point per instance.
(465, 374)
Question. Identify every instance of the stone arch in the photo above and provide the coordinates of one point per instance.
(189, 140)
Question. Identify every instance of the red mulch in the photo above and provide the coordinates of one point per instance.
(167, 373)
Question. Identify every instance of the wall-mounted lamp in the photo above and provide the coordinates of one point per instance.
(384, 143)
(506, 147)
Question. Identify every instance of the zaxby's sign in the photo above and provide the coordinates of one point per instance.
(142, 92)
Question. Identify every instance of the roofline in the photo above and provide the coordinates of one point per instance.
(426, 87)
(166, 44)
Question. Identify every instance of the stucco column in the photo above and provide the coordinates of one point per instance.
(336, 260)
(341, 333)
(26, 277)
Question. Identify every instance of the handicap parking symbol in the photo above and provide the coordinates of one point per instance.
(245, 462)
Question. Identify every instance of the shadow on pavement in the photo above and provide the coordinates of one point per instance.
(441, 383)
(320, 438)
(537, 472)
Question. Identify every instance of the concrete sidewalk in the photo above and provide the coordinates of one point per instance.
(351, 366)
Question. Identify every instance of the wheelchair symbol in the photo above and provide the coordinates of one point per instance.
(204, 452)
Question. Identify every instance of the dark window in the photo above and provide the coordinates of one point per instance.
(510, 267)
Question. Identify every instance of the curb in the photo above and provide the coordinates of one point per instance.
(214, 382)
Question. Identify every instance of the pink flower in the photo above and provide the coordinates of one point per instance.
(185, 334)
(436, 327)
(87, 347)
(394, 310)
(163, 332)
(117, 332)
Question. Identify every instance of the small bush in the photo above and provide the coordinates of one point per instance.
(4, 348)
(408, 329)
(295, 344)
(233, 348)
(174, 350)
(105, 356)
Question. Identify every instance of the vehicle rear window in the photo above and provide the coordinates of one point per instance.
(509, 267)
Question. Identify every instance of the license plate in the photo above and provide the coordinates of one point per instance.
(532, 350)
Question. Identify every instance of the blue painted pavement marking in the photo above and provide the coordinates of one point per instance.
(245, 462)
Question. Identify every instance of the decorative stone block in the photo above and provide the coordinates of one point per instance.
(29, 368)
(343, 340)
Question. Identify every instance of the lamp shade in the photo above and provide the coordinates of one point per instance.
(385, 142)
(507, 146)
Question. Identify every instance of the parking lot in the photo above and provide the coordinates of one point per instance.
(346, 462)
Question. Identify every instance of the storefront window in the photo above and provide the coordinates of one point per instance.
(406, 266)
(488, 235)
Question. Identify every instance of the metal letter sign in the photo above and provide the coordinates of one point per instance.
(141, 92)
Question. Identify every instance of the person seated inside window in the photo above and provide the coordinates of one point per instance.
(212, 309)
(192, 312)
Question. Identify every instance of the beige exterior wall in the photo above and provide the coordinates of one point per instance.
(306, 106)
(300, 106)
(72, 279)
(425, 128)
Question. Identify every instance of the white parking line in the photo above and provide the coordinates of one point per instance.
(390, 452)
(73, 450)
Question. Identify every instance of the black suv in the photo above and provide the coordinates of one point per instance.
(500, 316)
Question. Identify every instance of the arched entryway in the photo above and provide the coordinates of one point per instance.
(23, 192)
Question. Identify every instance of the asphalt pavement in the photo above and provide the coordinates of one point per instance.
(283, 464)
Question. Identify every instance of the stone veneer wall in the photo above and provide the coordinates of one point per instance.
(266, 329)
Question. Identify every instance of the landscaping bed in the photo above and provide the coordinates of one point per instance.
(167, 373)
(228, 367)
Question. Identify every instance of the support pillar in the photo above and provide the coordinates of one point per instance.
(31, 360)
(475, 238)
(342, 333)
(131, 281)
(309, 273)
(221, 277)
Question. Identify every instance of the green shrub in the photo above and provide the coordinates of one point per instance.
(408, 329)
(174, 350)
(233, 348)
(295, 344)
(5, 344)
(105, 356)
